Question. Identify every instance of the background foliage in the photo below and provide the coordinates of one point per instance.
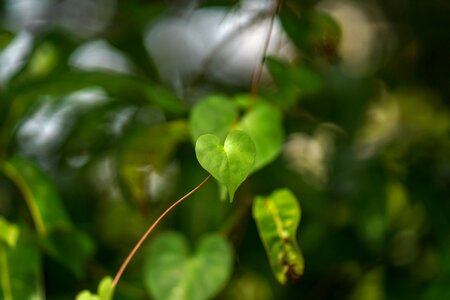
(89, 158)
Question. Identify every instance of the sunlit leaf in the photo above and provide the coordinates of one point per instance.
(40, 194)
(263, 124)
(9, 233)
(277, 218)
(172, 273)
(230, 163)
(105, 291)
(20, 269)
(214, 115)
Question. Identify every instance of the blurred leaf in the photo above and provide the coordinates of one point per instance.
(105, 291)
(230, 163)
(214, 115)
(170, 273)
(121, 87)
(71, 248)
(370, 287)
(248, 286)
(20, 269)
(9, 233)
(263, 123)
(40, 194)
(293, 81)
(147, 150)
(314, 32)
(277, 218)
(43, 60)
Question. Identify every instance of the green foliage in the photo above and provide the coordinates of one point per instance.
(9, 233)
(105, 291)
(38, 190)
(315, 32)
(20, 265)
(229, 163)
(171, 272)
(355, 124)
(277, 217)
(213, 115)
(263, 124)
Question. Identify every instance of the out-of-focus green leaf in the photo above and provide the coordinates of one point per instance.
(71, 248)
(43, 60)
(147, 150)
(293, 81)
(264, 125)
(277, 218)
(314, 32)
(20, 269)
(105, 291)
(39, 192)
(214, 115)
(118, 86)
(248, 286)
(370, 287)
(229, 163)
(171, 273)
(9, 233)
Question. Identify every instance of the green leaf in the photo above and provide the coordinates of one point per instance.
(20, 269)
(230, 163)
(9, 233)
(40, 195)
(277, 218)
(214, 115)
(314, 32)
(105, 291)
(292, 81)
(263, 124)
(171, 273)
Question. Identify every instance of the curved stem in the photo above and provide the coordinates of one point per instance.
(150, 229)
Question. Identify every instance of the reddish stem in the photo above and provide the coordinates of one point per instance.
(259, 67)
(150, 229)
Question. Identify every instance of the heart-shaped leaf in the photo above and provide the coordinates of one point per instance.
(229, 163)
(171, 273)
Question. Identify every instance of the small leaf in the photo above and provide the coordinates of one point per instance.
(40, 194)
(20, 268)
(105, 291)
(263, 125)
(230, 163)
(214, 115)
(277, 218)
(86, 295)
(9, 233)
(172, 274)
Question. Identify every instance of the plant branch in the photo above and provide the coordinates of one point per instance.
(150, 229)
(259, 67)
